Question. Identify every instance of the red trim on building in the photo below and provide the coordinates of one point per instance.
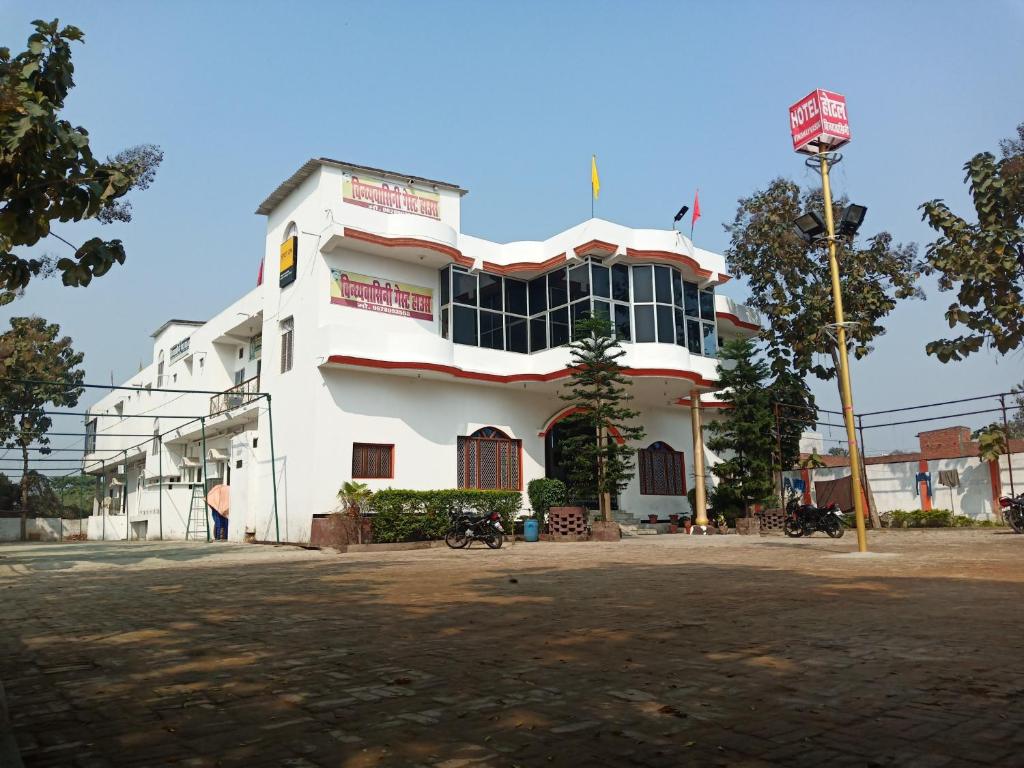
(737, 322)
(410, 242)
(524, 266)
(459, 373)
(595, 245)
(678, 258)
(550, 423)
(997, 484)
(922, 486)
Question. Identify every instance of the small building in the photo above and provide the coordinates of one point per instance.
(404, 353)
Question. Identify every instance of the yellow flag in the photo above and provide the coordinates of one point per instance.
(595, 180)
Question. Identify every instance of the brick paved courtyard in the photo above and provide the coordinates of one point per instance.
(658, 651)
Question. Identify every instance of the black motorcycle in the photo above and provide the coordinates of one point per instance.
(805, 519)
(467, 528)
(1013, 511)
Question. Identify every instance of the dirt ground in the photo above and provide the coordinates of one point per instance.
(656, 651)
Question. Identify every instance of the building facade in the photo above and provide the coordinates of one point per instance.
(403, 353)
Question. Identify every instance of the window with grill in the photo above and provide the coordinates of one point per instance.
(489, 459)
(287, 344)
(662, 471)
(370, 460)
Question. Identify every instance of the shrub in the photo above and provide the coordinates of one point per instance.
(401, 515)
(545, 493)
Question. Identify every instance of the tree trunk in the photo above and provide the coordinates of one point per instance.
(23, 534)
(604, 498)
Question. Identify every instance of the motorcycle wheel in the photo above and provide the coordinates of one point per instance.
(1015, 518)
(495, 540)
(456, 537)
(834, 528)
(792, 529)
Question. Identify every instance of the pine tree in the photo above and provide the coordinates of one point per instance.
(746, 431)
(599, 465)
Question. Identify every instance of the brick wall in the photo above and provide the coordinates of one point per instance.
(949, 439)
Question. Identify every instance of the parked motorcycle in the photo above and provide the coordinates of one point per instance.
(1013, 511)
(467, 528)
(805, 519)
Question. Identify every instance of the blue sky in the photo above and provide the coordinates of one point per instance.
(509, 100)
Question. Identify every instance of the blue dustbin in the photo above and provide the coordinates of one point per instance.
(531, 530)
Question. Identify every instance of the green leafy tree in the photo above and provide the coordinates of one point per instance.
(32, 352)
(992, 442)
(745, 434)
(598, 465)
(983, 261)
(790, 283)
(838, 450)
(74, 492)
(47, 170)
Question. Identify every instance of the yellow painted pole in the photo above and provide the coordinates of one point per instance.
(844, 362)
(700, 497)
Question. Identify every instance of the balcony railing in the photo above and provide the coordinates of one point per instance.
(237, 396)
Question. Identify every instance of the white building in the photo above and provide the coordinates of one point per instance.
(407, 354)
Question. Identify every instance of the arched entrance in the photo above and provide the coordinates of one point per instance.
(556, 432)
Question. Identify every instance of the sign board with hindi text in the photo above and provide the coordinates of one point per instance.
(390, 196)
(350, 289)
(289, 258)
(819, 121)
(179, 350)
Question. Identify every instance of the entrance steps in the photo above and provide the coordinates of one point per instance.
(631, 526)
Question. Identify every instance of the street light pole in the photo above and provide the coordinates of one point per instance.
(846, 391)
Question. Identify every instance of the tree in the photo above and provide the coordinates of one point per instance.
(838, 450)
(992, 442)
(790, 282)
(37, 369)
(599, 464)
(745, 434)
(983, 261)
(47, 170)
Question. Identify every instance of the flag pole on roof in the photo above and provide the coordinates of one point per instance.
(595, 183)
(696, 211)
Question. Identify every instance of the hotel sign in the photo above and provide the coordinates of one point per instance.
(376, 294)
(179, 350)
(289, 253)
(390, 197)
(819, 120)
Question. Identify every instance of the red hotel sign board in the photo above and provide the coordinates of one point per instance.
(819, 120)
(350, 289)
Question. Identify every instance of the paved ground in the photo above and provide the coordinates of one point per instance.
(658, 651)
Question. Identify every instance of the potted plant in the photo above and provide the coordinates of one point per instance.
(354, 497)
(652, 519)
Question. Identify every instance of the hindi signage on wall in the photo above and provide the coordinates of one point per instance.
(390, 196)
(350, 289)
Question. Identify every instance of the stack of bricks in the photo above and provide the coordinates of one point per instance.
(772, 519)
(567, 523)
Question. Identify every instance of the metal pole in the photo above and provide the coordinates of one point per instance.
(778, 447)
(1009, 452)
(700, 497)
(273, 470)
(864, 455)
(160, 484)
(124, 501)
(103, 495)
(60, 517)
(202, 426)
(846, 390)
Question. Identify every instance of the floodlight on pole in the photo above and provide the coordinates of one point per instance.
(810, 226)
(851, 220)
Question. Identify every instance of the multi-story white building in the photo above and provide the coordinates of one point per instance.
(404, 353)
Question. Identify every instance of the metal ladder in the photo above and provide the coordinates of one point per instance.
(198, 519)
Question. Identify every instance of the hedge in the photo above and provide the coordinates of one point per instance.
(933, 518)
(401, 515)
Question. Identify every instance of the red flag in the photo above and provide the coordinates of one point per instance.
(259, 277)
(696, 208)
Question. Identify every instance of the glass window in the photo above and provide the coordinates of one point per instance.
(603, 310)
(693, 336)
(644, 323)
(538, 333)
(579, 282)
(707, 305)
(690, 295)
(622, 326)
(680, 328)
(663, 284)
(677, 287)
(538, 295)
(489, 459)
(515, 296)
(464, 288)
(710, 339)
(445, 284)
(600, 280)
(444, 323)
(516, 335)
(287, 345)
(490, 293)
(557, 291)
(620, 282)
(492, 334)
(642, 288)
(464, 325)
(580, 310)
(560, 327)
(666, 332)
